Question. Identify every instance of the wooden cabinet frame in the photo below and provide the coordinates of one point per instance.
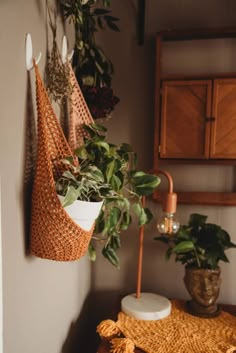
(202, 198)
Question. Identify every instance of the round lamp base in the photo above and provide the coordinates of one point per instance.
(148, 307)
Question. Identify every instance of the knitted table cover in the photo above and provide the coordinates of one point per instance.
(180, 332)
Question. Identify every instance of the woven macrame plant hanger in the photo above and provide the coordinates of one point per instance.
(79, 113)
(54, 235)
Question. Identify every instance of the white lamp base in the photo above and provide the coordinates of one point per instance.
(148, 307)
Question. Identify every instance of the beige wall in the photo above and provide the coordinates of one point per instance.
(40, 298)
(133, 122)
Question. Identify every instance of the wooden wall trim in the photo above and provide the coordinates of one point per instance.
(201, 198)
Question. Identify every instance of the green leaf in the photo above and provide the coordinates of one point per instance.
(111, 255)
(197, 219)
(149, 215)
(231, 245)
(67, 174)
(91, 252)
(114, 216)
(92, 133)
(110, 170)
(137, 209)
(183, 247)
(115, 182)
(98, 127)
(184, 233)
(94, 173)
(138, 174)
(126, 147)
(126, 221)
(81, 152)
(102, 144)
(145, 184)
(68, 160)
(112, 18)
(143, 214)
(168, 254)
(163, 239)
(143, 217)
(101, 12)
(115, 242)
(70, 197)
(100, 223)
(113, 26)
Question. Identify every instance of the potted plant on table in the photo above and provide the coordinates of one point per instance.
(200, 246)
(107, 173)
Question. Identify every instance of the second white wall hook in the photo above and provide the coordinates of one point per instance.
(64, 51)
(29, 53)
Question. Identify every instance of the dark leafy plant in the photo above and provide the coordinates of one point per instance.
(92, 67)
(198, 244)
(107, 172)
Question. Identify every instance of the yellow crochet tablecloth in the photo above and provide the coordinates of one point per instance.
(180, 332)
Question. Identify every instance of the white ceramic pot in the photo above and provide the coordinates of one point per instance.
(83, 213)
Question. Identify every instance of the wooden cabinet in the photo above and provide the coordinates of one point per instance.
(195, 116)
(198, 119)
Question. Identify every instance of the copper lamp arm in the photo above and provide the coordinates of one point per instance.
(169, 206)
(168, 177)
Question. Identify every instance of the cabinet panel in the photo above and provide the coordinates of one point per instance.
(211, 148)
(223, 127)
(186, 105)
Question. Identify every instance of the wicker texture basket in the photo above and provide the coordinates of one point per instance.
(79, 113)
(54, 235)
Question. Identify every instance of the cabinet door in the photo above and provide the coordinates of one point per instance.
(186, 105)
(223, 126)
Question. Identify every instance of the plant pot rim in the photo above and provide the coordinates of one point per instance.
(84, 213)
(201, 269)
(82, 201)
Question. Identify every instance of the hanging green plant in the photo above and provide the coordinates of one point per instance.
(107, 172)
(94, 71)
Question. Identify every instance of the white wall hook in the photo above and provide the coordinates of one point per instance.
(64, 51)
(29, 53)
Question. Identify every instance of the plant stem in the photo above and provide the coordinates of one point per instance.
(197, 258)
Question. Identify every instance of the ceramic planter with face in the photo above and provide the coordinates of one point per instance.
(203, 286)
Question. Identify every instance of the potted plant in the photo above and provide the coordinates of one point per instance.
(81, 191)
(107, 172)
(200, 246)
(93, 70)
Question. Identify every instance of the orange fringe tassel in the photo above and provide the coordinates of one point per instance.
(108, 329)
(122, 345)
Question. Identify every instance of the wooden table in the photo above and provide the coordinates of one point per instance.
(105, 346)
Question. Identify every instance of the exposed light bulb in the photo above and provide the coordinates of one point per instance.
(168, 224)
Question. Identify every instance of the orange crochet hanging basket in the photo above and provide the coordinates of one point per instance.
(54, 235)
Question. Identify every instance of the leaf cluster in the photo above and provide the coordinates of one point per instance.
(108, 172)
(198, 244)
(91, 65)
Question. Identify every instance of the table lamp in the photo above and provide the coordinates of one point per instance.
(151, 306)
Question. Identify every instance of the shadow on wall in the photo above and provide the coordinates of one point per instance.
(29, 163)
(82, 336)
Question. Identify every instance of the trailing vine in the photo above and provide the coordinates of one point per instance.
(94, 71)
